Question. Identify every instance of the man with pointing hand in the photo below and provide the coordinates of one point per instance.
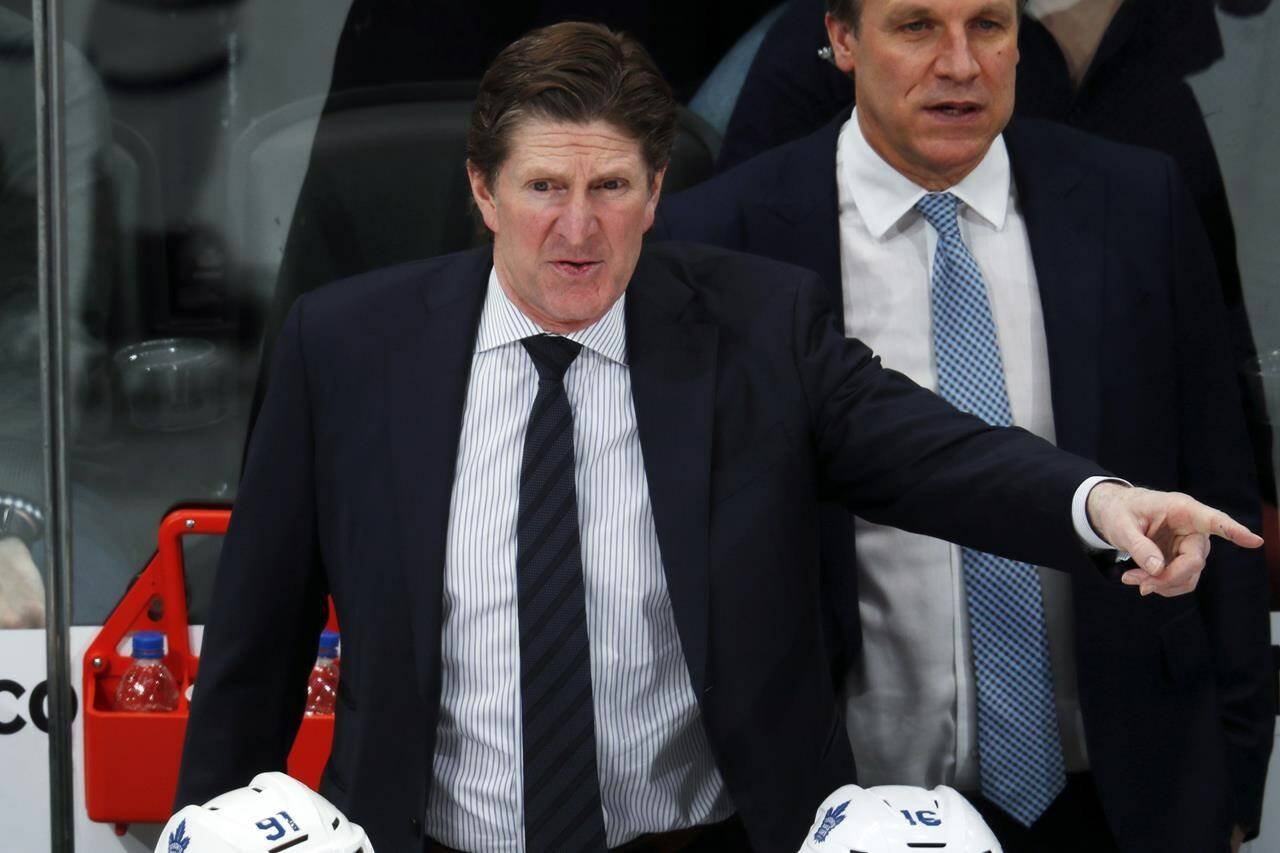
(1039, 277)
(563, 490)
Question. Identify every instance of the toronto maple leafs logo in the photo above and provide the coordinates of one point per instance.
(178, 839)
(835, 816)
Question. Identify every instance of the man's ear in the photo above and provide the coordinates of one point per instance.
(843, 41)
(486, 203)
(655, 193)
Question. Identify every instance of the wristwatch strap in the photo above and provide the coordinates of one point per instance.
(21, 518)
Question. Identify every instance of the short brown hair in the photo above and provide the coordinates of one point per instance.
(850, 11)
(572, 72)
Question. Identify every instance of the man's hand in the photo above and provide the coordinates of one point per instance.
(1166, 533)
(1237, 838)
(21, 588)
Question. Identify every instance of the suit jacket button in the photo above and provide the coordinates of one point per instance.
(416, 825)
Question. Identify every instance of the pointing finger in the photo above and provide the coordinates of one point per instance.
(1233, 531)
(1217, 523)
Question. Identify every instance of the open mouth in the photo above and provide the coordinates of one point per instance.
(955, 109)
(573, 267)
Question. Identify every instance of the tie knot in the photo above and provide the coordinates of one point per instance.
(551, 355)
(939, 210)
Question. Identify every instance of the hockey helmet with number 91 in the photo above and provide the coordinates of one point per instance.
(273, 813)
(898, 819)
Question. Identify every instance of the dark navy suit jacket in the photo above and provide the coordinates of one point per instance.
(1141, 381)
(750, 406)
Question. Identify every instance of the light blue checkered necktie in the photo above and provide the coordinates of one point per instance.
(1020, 750)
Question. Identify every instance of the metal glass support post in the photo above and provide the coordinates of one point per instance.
(52, 248)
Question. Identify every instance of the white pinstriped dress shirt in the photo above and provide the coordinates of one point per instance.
(656, 769)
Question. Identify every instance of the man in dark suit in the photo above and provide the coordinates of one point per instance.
(562, 492)
(1096, 279)
(1118, 70)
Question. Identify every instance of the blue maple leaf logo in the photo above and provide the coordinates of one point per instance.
(178, 839)
(834, 817)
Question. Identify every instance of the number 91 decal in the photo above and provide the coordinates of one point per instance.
(274, 829)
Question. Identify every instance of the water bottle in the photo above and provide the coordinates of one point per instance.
(147, 685)
(322, 688)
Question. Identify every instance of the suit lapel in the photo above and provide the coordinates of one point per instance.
(1064, 207)
(427, 372)
(798, 219)
(673, 364)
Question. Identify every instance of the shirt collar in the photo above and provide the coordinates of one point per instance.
(502, 323)
(883, 195)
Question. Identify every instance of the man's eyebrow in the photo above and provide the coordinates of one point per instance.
(913, 10)
(539, 170)
(614, 167)
(999, 11)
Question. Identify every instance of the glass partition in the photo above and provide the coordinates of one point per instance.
(24, 707)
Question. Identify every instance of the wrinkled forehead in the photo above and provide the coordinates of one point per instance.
(880, 9)
(571, 148)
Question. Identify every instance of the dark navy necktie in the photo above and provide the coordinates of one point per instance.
(562, 810)
(1019, 747)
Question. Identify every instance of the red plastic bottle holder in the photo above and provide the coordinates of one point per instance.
(131, 759)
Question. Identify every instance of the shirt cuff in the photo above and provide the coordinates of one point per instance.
(1080, 517)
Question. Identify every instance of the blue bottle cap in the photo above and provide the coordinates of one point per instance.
(148, 644)
(329, 643)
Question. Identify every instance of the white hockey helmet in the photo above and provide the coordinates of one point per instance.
(898, 819)
(273, 813)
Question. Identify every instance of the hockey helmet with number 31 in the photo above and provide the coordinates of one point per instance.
(273, 813)
(898, 819)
